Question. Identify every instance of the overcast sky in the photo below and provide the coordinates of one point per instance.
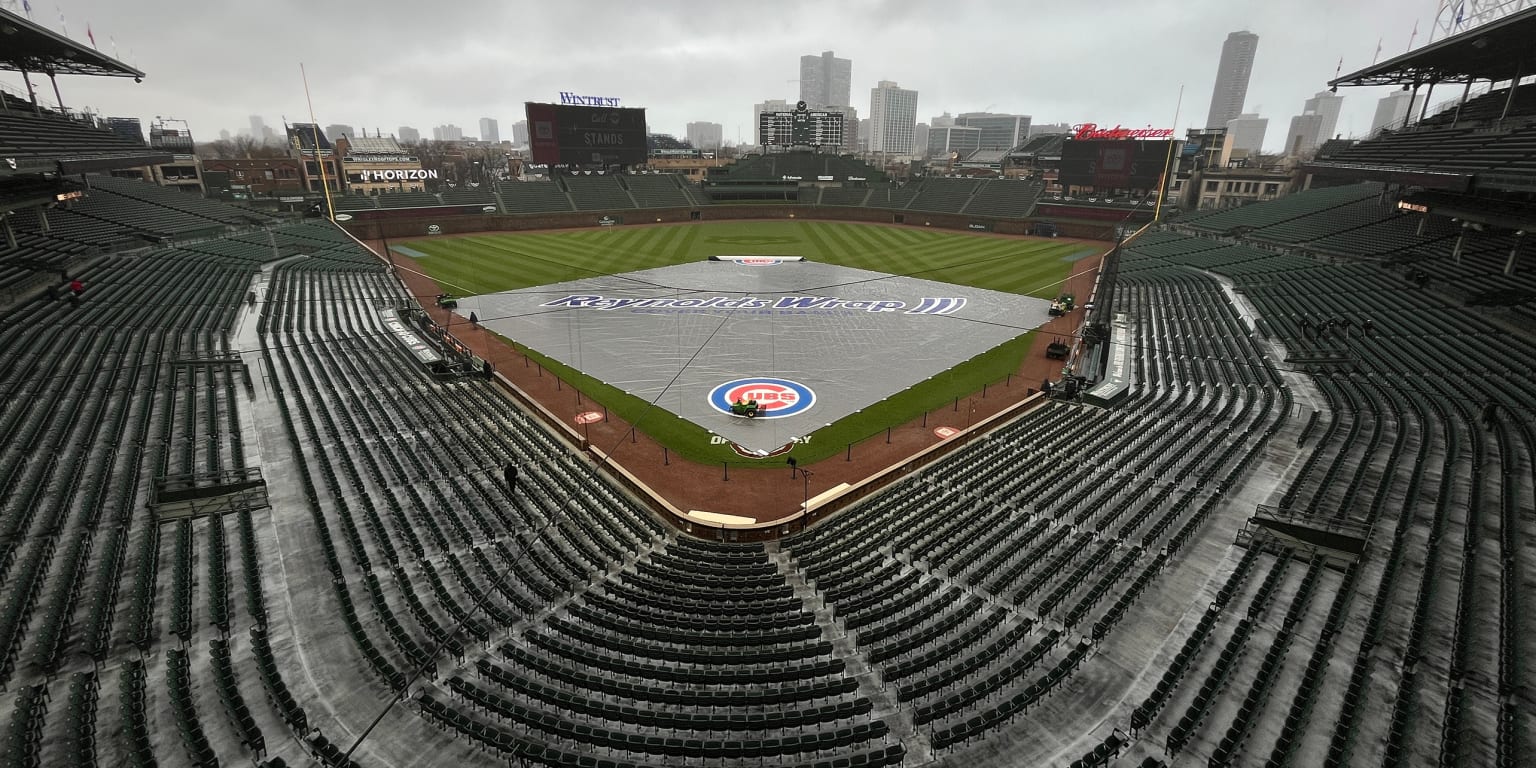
(387, 63)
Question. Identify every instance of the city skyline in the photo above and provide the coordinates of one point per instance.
(419, 83)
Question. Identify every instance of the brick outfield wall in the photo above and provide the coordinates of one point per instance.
(448, 224)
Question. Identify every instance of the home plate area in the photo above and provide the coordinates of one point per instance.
(809, 342)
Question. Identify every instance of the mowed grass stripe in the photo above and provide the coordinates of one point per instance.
(484, 264)
(816, 236)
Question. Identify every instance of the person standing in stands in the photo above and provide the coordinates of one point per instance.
(1490, 414)
(76, 288)
(509, 474)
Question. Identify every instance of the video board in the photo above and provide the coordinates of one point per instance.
(563, 134)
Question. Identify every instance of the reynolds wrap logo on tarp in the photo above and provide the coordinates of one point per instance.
(928, 305)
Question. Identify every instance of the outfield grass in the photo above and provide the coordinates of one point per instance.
(491, 263)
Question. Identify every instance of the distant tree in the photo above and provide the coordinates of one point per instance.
(238, 148)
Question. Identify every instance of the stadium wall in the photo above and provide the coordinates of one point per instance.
(450, 224)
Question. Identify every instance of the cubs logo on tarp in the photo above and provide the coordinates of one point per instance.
(776, 398)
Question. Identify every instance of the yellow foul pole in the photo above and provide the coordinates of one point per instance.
(1162, 184)
(325, 184)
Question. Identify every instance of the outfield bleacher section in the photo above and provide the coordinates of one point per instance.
(354, 202)
(408, 200)
(663, 190)
(847, 195)
(942, 195)
(468, 196)
(1005, 199)
(596, 193)
(806, 166)
(533, 197)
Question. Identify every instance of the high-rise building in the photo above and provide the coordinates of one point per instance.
(1395, 110)
(258, 128)
(337, 130)
(997, 131)
(892, 118)
(770, 105)
(449, 132)
(520, 133)
(1327, 105)
(703, 135)
(1232, 78)
(1247, 132)
(409, 135)
(490, 133)
(1301, 139)
(826, 81)
(942, 121)
(958, 140)
(920, 138)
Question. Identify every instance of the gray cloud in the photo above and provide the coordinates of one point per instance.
(386, 63)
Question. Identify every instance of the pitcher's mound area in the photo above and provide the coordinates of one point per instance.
(810, 342)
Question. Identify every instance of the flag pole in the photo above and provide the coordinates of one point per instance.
(325, 184)
(1162, 183)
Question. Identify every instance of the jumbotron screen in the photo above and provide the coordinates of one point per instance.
(564, 134)
(801, 128)
(1113, 163)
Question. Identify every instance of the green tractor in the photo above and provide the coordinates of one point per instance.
(1063, 305)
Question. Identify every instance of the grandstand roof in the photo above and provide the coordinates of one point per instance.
(986, 156)
(1045, 144)
(21, 192)
(1489, 52)
(28, 46)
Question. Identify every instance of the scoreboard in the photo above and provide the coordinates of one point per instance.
(562, 134)
(1109, 164)
(801, 128)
